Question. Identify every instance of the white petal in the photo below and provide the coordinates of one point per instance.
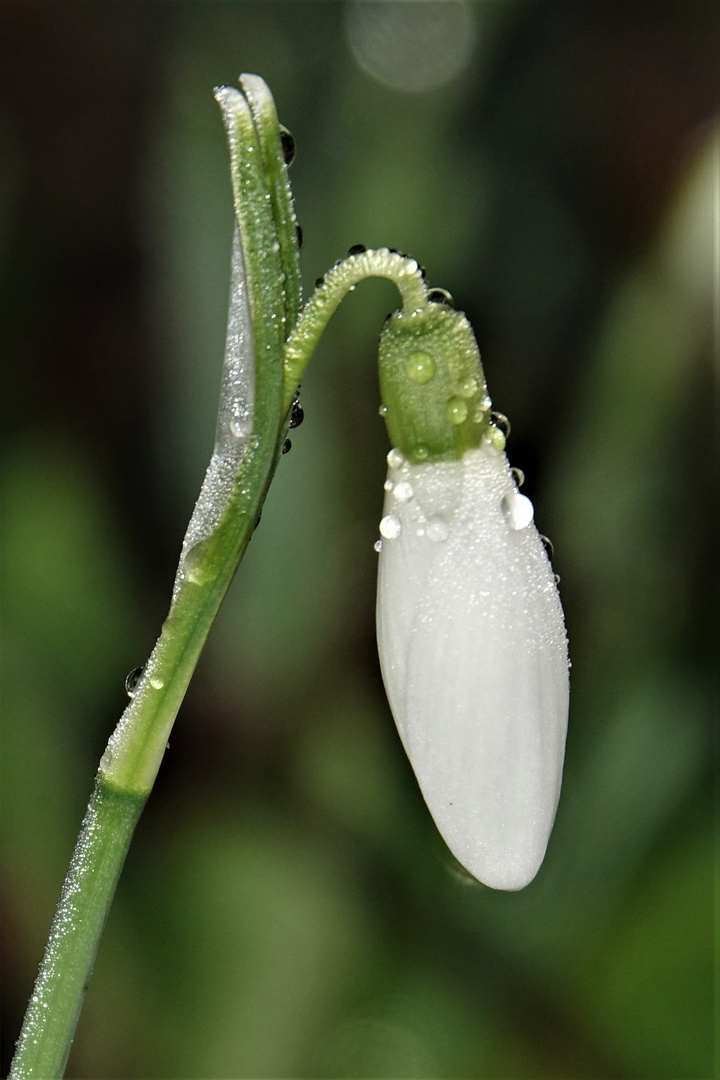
(474, 659)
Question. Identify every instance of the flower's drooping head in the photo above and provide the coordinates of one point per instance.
(470, 627)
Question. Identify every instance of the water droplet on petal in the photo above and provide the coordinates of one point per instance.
(395, 458)
(299, 235)
(420, 367)
(420, 453)
(287, 447)
(390, 527)
(156, 682)
(440, 296)
(518, 510)
(357, 249)
(403, 491)
(388, 485)
(382, 411)
(518, 476)
(557, 582)
(132, 679)
(457, 410)
(297, 414)
(548, 545)
(378, 546)
(468, 388)
(437, 529)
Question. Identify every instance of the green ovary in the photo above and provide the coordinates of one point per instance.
(432, 384)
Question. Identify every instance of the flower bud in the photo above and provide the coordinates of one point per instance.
(470, 627)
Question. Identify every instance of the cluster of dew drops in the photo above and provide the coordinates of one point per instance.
(517, 508)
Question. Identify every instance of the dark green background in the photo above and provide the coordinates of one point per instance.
(287, 909)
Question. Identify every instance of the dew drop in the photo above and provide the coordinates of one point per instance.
(288, 145)
(518, 510)
(403, 491)
(440, 296)
(299, 234)
(420, 453)
(468, 388)
(390, 527)
(518, 476)
(297, 414)
(131, 680)
(420, 367)
(501, 421)
(395, 458)
(388, 485)
(557, 582)
(457, 410)
(548, 545)
(319, 281)
(378, 546)
(194, 564)
(287, 446)
(356, 249)
(437, 529)
(156, 682)
(495, 437)
(241, 424)
(382, 411)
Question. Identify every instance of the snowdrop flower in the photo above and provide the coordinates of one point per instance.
(470, 628)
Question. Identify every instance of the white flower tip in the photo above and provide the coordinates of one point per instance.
(474, 658)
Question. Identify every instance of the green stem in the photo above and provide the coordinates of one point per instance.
(89, 887)
(403, 271)
(125, 778)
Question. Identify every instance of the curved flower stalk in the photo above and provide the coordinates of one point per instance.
(470, 628)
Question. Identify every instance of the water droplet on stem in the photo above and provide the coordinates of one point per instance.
(132, 679)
